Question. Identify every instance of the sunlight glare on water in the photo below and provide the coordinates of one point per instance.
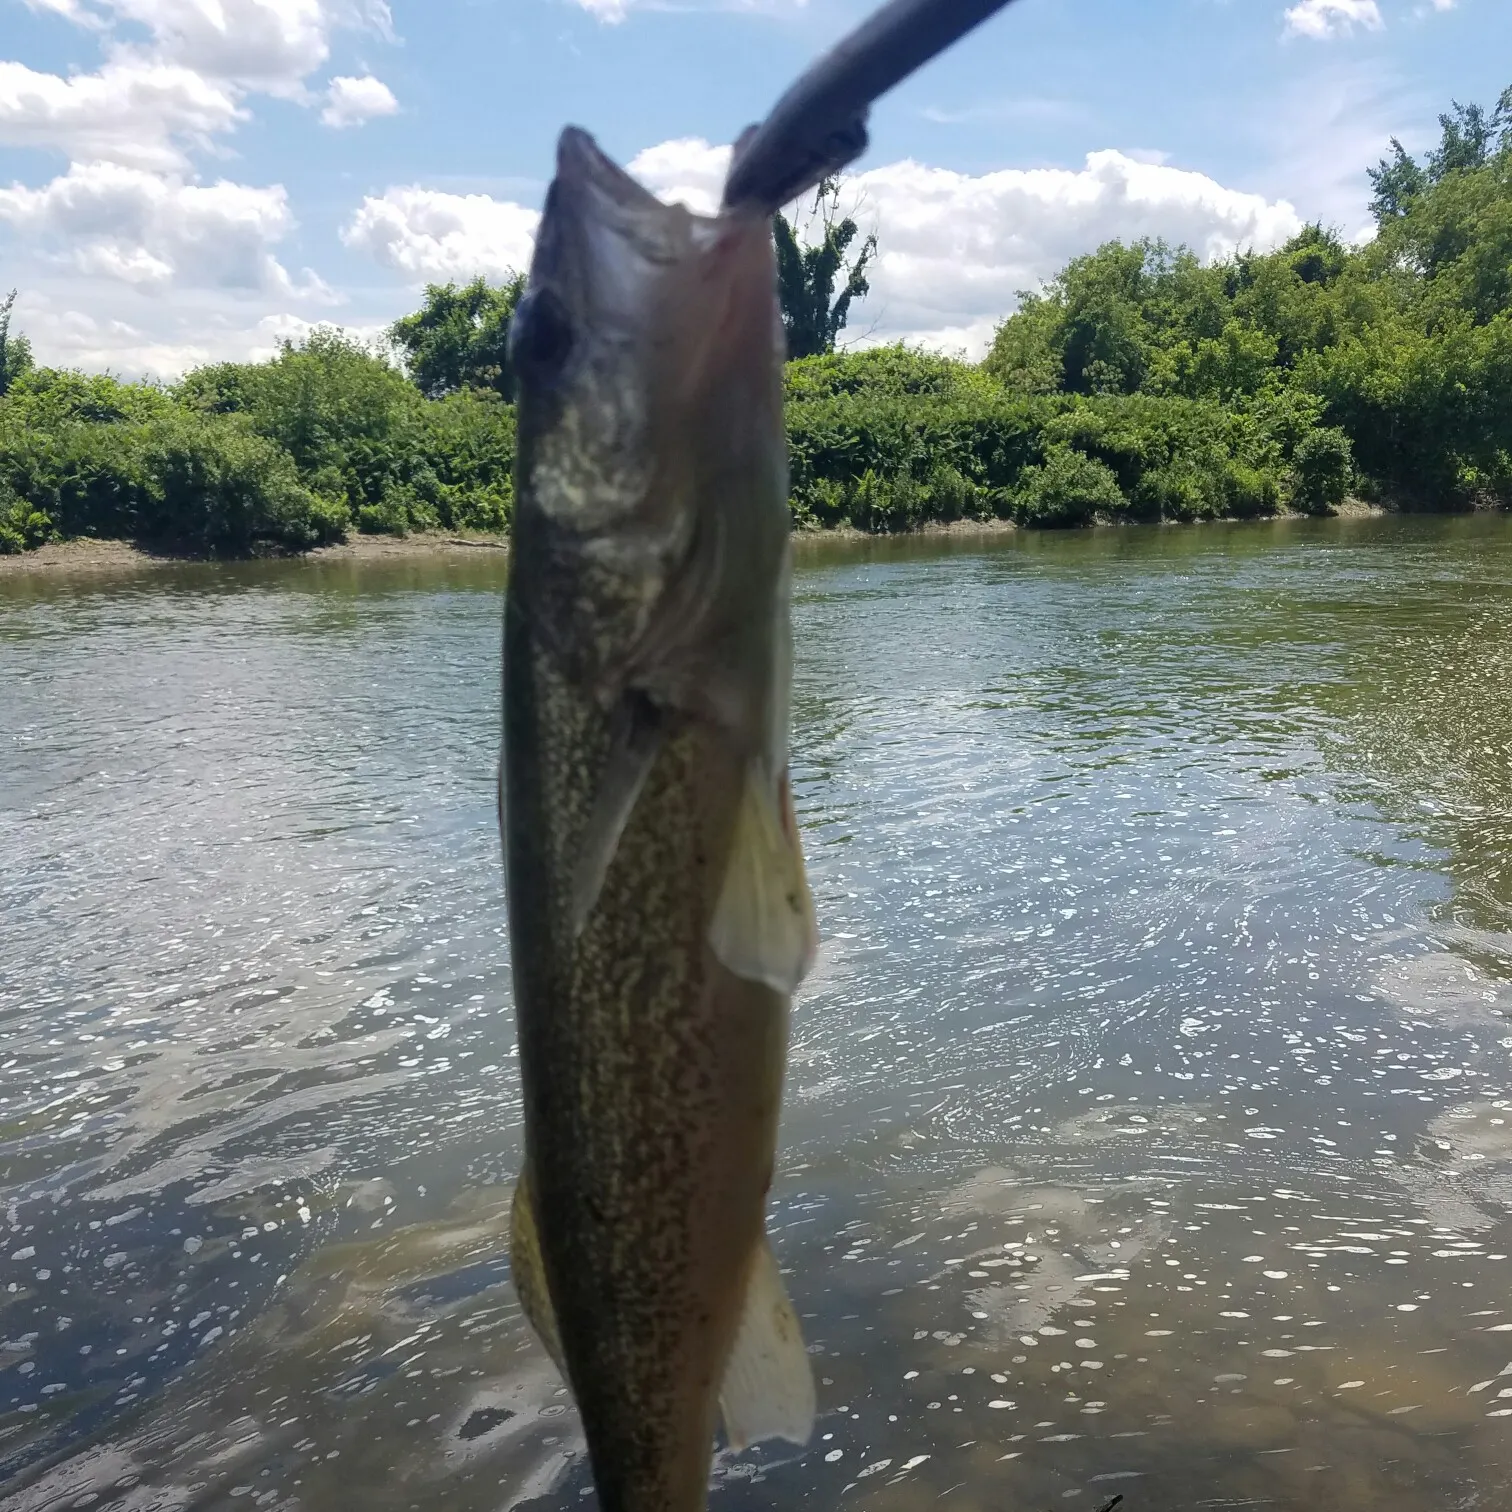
(1149, 1114)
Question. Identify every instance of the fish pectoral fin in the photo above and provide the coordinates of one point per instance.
(768, 1387)
(763, 927)
(636, 739)
(529, 1271)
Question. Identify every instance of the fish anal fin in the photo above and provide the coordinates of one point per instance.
(763, 927)
(768, 1387)
(529, 1271)
(634, 743)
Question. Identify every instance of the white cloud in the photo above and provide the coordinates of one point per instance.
(131, 111)
(151, 101)
(70, 10)
(99, 246)
(428, 235)
(352, 102)
(125, 259)
(956, 248)
(1333, 18)
(687, 171)
(613, 11)
(155, 231)
(269, 44)
(138, 335)
(273, 43)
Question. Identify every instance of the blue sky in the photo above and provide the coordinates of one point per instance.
(183, 180)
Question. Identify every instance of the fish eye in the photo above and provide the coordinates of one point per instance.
(541, 337)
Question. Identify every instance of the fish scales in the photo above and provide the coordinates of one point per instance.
(641, 1087)
(659, 916)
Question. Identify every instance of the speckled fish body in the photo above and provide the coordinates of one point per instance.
(659, 919)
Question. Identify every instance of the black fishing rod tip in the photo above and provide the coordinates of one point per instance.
(819, 126)
(782, 171)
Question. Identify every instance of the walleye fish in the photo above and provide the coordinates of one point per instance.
(659, 914)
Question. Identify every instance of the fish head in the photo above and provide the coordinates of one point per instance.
(647, 354)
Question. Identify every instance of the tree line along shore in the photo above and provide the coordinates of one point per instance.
(1138, 385)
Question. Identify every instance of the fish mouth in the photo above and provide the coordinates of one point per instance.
(599, 228)
(627, 267)
(583, 168)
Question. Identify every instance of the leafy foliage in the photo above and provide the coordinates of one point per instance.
(1140, 384)
(1470, 137)
(1067, 488)
(1397, 181)
(15, 350)
(813, 315)
(1389, 367)
(242, 457)
(1322, 468)
(459, 338)
(90, 456)
(888, 439)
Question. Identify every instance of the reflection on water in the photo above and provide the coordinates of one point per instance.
(1150, 1119)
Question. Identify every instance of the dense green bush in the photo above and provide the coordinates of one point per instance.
(216, 486)
(204, 483)
(21, 526)
(1140, 384)
(887, 439)
(242, 457)
(365, 440)
(1068, 488)
(886, 502)
(1387, 368)
(1248, 492)
(1322, 467)
(1176, 491)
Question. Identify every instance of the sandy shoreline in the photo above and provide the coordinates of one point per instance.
(103, 556)
(110, 556)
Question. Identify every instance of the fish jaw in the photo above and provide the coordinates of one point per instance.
(652, 466)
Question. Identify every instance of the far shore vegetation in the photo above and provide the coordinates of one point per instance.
(1139, 385)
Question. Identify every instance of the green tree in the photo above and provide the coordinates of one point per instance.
(15, 350)
(367, 441)
(813, 315)
(1322, 467)
(1469, 135)
(459, 338)
(1069, 488)
(1107, 322)
(1316, 254)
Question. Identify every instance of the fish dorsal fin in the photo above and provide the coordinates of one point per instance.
(529, 1271)
(635, 740)
(763, 927)
(768, 1387)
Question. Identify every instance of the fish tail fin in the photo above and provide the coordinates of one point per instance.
(768, 1387)
(529, 1270)
(763, 927)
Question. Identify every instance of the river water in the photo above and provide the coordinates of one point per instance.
(1149, 1119)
